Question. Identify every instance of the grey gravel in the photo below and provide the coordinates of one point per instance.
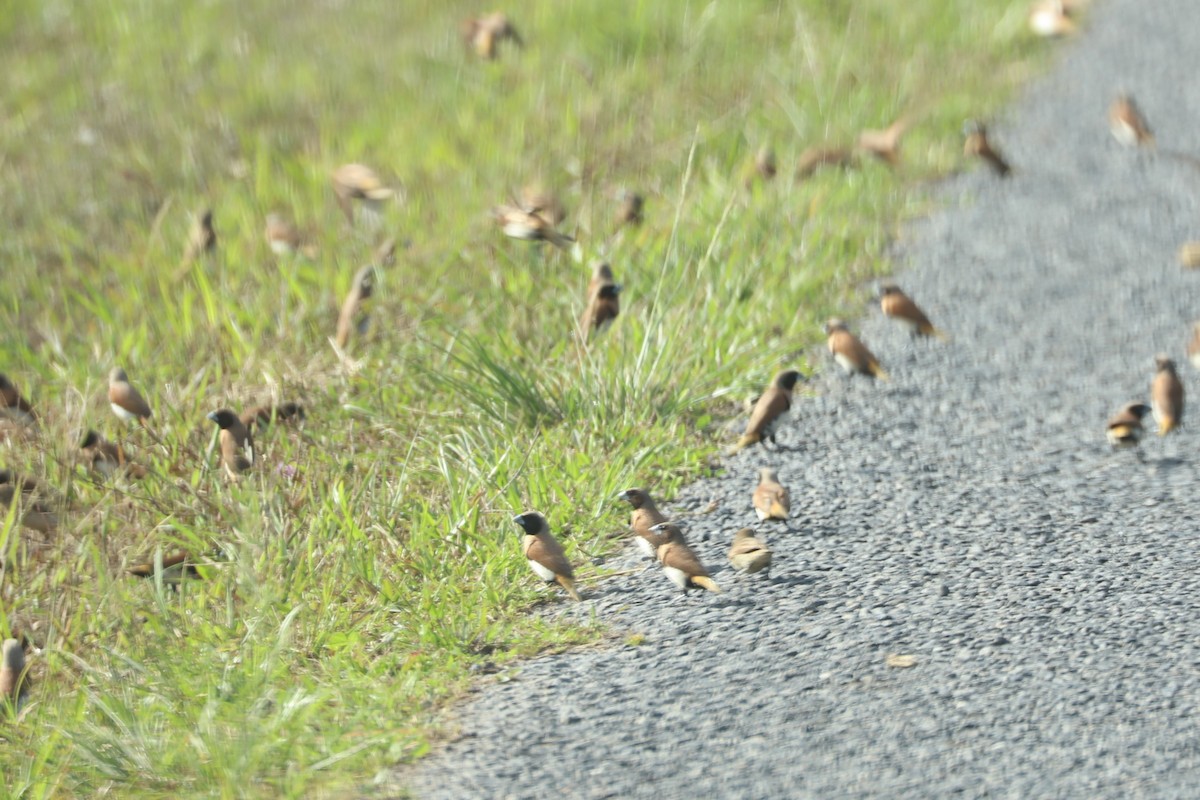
(969, 514)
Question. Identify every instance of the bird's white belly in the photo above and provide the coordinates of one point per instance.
(646, 548)
(123, 413)
(545, 573)
(677, 576)
(845, 363)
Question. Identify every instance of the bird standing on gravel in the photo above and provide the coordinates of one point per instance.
(545, 554)
(897, 305)
(680, 563)
(770, 410)
(1193, 348)
(355, 317)
(1166, 395)
(771, 498)
(644, 517)
(978, 144)
(748, 554)
(126, 402)
(1127, 124)
(353, 182)
(237, 445)
(850, 353)
(1125, 427)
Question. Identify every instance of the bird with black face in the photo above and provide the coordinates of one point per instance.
(771, 409)
(237, 444)
(645, 515)
(544, 553)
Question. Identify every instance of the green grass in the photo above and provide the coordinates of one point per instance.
(357, 598)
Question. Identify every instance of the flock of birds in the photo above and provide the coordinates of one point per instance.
(535, 216)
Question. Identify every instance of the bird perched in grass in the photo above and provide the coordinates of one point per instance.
(263, 415)
(106, 458)
(749, 554)
(126, 402)
(771, 499)
(537, 199)
(815, 158)
(680, 563)
(14, 679)
(175, 570)
(897, 305)
(977, 144)
(356, 182)
(237, 443)
(31, 513)
(603, 302)
(772, 407)
(202, 238)
(544, 553)
(484, 34)
(1166, 395)
(644, 517)
(629, 208)
(12, 404)
(282, 236)
(884, 144)
(529, 226)
(355, 316)
(1127, 124)
(850, 353)
(1124, 428)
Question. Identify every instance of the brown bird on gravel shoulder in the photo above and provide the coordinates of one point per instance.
(977, 144)
(1124, 428)
(237, 444)
(1193, 348)
(1127, 124)
(14, 678)
(544, 553)
(106, 458)
(12, 404)
(604, 302)
(644, 517)
(353, 182)
(125, 401)
(771, 499)
(484, 34)
(1166, 395)
(517, 223)
(748, 554)
(770, 410)
(884, 144)
(355, 315)
(850, 353)
(897, 305)
(680, 563)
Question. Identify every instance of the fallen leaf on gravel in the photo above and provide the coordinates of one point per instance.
(900, 661)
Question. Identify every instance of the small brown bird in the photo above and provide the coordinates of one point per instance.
(545, 554)
(175, 569)
(106, 458)
(814, 158)
(537, 199)
(1127, 124)
(977, 144)
(357, 182)
(125, 400)
(529, 226)
(897, 305)
(850, 353)
(484, 34)
(1193, 348)
(629, 208)
(770, 410)
(1051, 18)
(748, 554)
(12, 404)
(33, 514)
(644, 517)
(884, 144)
(679, 562)
(1166, 395)
(262, 415)
(1125, 427)
(282, 236)
(237, 444)
(14, 680)
(202, 238)
(771, 499)
(355, 316)
(604, 302)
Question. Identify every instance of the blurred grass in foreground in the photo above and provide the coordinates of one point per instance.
(359, 595)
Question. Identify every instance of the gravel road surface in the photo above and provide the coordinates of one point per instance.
(968, 514)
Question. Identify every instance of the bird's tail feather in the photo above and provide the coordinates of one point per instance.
(706, 582)
(743, 443)
(569, 585)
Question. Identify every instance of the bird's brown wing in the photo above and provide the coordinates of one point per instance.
(546, 550)
(774, 401)
(1167, 393)
(127, 397)
(900, 306)
(678, 555)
